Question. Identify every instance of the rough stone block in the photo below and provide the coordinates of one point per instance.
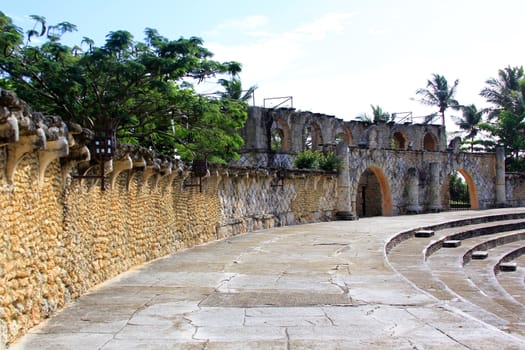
(480, 255)
(452, 243)
(508, 266)
(424, 233)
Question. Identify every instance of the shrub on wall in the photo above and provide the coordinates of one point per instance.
(316, 160)
(330, 162)
(307, 160)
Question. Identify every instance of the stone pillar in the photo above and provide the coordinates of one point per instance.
(501, 198)
(435, 197)
(413, 192)
(344, 198)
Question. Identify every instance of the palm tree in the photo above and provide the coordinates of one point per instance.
(438, 94)
(470, 121)
(506, 92)
(233, 90)
(378, 115)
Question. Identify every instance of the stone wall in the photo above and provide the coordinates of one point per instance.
(60, 239)
(515, 188)
(62, 235)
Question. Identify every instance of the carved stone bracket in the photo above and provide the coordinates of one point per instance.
(15, 152)
(118, 167)
(54, 150)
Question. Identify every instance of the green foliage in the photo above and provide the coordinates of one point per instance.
(378, 115)
(506, 117)
(330, 162)
(308, 159)
(470, 123)
(143, 88)
(438, 94)
(317, 160)
(458, 189)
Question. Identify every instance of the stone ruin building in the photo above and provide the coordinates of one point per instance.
(389, 168)
(152, 208)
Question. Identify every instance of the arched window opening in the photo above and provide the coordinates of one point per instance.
(430, 142)
(279, 136)
(312, 137)
(399, 141)
(343, 134)
(276, 142)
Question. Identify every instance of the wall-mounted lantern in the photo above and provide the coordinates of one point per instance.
(199, 169)
(102, 149)
(280, 175)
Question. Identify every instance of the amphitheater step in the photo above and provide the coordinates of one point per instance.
(424, 233)
(480, 255)
(509, 266)
(452, 243)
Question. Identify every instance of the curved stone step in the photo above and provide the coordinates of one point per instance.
(514, 283)
(473, 232)
(481, 221)
(449, 283)
(477, 283)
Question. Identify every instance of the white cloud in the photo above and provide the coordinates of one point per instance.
(270, 55)
(327, 24)
(249, 24)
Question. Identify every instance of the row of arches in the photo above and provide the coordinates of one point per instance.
(400, 141)
(373, 196)
(312, 138)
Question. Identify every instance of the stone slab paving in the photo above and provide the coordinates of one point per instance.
(318, 286)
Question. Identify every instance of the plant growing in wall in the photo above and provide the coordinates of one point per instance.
(307, 159)
(330, 162)
(317, 160)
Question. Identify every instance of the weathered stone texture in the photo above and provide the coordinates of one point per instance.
(62, 235)
(58, 241)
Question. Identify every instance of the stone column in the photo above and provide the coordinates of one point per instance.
(501, 198)
(435, 197)
(344, 198)
(413, 192)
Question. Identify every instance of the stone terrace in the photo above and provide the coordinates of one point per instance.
(318, 286)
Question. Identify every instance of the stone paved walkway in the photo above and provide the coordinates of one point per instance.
(318, 286)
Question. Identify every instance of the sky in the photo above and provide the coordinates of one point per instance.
(335, 57)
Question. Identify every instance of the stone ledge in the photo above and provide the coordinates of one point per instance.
(452, 243)
(424, 233)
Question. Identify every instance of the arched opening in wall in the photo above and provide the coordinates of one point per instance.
(343, 134)
(276, 141)
(312, 137)
(279, 136)
(373, 197)
(430, 142)
(399, 141)
(462, 193)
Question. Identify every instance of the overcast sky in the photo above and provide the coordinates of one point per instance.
(333, 56)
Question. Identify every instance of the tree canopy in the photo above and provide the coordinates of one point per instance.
(143, 89)
(438, 94)
(505, 122)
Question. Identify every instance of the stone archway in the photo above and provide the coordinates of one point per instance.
(280, 135)
(313, 137)
(473, 193)
(399, 140)
(430, 142)
(373, 197)
(343, 133)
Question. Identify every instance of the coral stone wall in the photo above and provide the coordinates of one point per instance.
(515, 189)
(63, 236)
